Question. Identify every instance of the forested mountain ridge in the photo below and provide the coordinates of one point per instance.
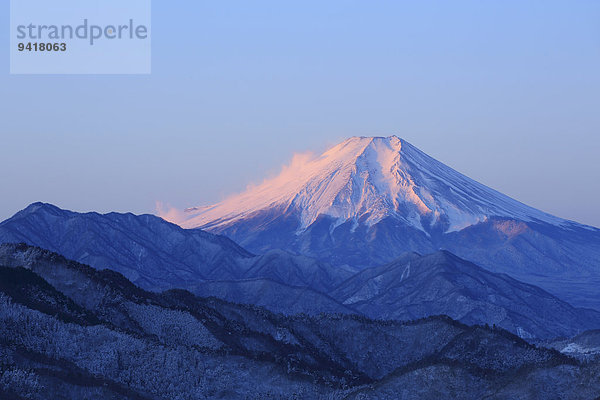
(70, 329)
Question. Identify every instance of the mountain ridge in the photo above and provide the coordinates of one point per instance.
(366, 201)
(443, 283)
(371, 178)
(100, 336)
(159, 255)
(210, 265)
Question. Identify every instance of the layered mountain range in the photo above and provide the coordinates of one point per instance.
(158, 255)
(70, 331)
(416, 286)
(368, 200)
(370, 271)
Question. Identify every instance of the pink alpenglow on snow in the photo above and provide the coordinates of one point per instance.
(366, 179)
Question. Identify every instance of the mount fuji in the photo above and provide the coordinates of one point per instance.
(366, 179)
(367, 200)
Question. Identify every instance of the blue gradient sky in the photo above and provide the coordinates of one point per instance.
(505, 92)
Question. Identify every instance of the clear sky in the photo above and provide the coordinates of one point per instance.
(506, 92)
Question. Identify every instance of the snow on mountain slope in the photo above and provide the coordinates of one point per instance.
(156, 254)
(441, 283)
(368, 200)
(366, 179)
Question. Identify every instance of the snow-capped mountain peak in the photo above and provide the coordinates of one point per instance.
(366, 179)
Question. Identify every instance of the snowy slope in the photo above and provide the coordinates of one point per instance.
(441, 283)
(156, 254)
(368, 200)
(367, 179)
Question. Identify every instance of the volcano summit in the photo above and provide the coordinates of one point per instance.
(367, 200)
